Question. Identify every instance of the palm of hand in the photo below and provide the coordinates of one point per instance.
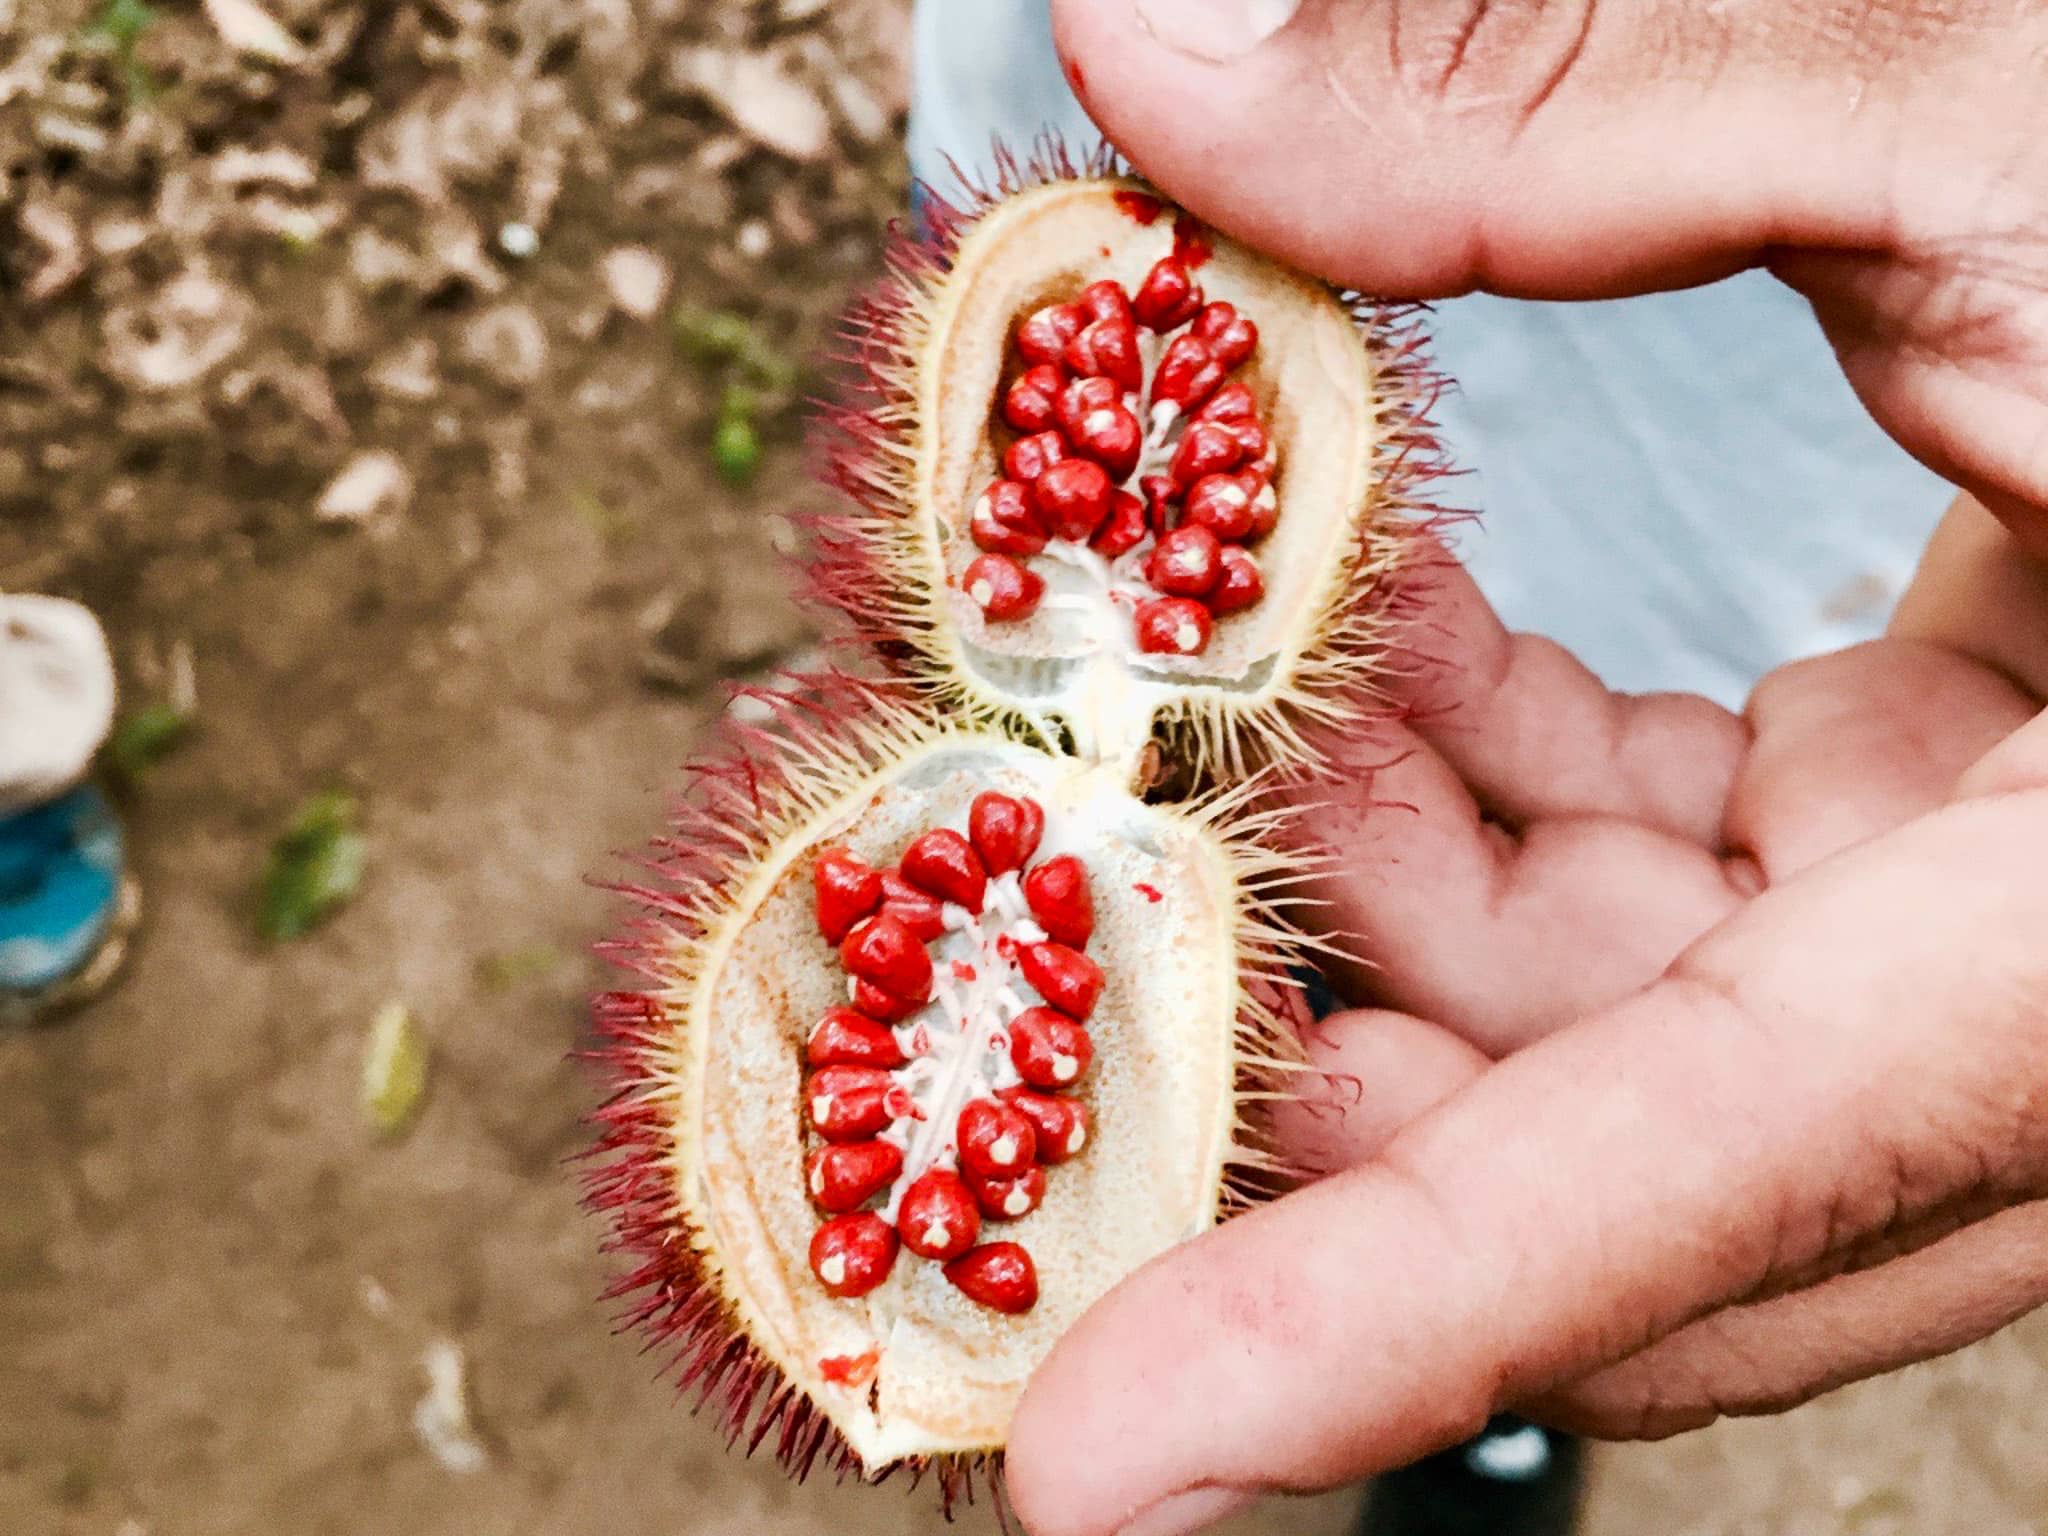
(1658, 1109)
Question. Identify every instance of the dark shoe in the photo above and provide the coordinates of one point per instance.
(1516, 1479)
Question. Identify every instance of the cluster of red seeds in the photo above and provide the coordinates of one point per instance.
(1081, 444)
(994, 1167)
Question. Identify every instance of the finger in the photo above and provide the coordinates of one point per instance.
(1371, 1072)
(1499, 938)
(1849, 745)
(1536, 735)
(1776, 1354)
(1565, 150)
(1769, 1103)
(1978, 592)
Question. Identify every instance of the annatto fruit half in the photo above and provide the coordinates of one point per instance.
(959, 982)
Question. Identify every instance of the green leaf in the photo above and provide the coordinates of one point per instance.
(123, 22)
(736, 449)
(509, 967)
(712, 336)
(146, 737)
(315, 866)
(394, 1070)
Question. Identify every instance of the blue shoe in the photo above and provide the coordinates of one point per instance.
(67, 906)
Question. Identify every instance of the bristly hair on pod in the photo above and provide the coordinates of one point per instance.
(814, 743)
(873, 561)
(823, 732)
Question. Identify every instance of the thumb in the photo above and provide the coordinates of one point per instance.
(1765, 1112)
(1547, 148)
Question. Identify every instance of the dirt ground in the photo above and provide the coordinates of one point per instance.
(340, 356)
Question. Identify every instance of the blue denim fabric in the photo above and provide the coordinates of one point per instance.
(60, 875)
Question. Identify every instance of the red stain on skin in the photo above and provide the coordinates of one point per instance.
(850, 1370)
(1149, 892)
(1140, 206)
(1191, 243)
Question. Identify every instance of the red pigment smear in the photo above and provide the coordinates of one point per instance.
(1191, 243)
(1149, 892)
(1077, 80)
(850, 1370)
(1141, 206)
(962, 971)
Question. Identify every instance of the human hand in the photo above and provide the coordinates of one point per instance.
(1608, 1169)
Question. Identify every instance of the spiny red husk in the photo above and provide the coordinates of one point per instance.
(864, 443)
(664, 1290)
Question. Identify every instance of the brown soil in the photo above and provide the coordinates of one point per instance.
(223, 281)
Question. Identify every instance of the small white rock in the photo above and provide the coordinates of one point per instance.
(637, 279)
(763, 95)
(518, 241)
(373, 484)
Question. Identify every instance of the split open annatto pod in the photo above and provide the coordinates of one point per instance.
(955, 979)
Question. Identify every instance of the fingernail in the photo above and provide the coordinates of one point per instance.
(1180, 1514)
(1215, 30)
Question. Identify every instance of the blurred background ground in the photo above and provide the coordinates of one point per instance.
(360, 354)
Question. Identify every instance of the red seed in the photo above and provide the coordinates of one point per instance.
(1230, 335)
(1265, 505)
(845, 1037)
(1003, 522)
(1233, 402)
(1167, 297)
(1049, 1049)
(1009, 1199)
(1083, 397)
(1028, 404)
(1004, 830)
(1253, 445)
(938, 1218)
(1059, 1121)
(1188, 372)
(1105, 300)
(1108, 348)
(877, 1004)
(1186, 562)
(943, 862)
(845, 1178)
(918, 910)
(1000, 1276)
(1072, 498)
(1240, 585)
(1029, 457)
(995, 1140)
(884, 951)
(1159, 498)
(852, 1254)
(848, 1103)
(846, 891)
(1057, 893)
(1044, 335)
(1206, 448)
(1003, 589)
(1221, 504)
(1064, 977)
(1172, 626)
(1111, 437)
(1123, 530)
